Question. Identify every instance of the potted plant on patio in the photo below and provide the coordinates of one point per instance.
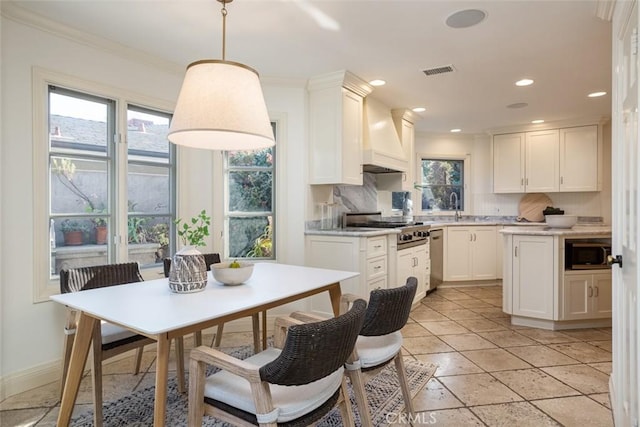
(188, 271)
(73, 231)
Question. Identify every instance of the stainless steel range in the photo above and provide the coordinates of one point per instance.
(411, 233)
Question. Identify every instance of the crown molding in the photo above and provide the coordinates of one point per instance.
(604, 9)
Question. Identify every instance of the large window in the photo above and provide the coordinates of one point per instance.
(250, 207)
(442, 184)
(110, 187)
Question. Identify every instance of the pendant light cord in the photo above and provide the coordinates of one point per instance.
(224, 30)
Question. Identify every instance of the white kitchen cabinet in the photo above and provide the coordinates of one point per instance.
(404, 122)
(554, 160)
(499, 252)
(470, 253)
(367, 255)
(414, 262)
(579, 158)
(542, 150)
(508, 163)
(534, 262)
(336, 128)
(586, 295)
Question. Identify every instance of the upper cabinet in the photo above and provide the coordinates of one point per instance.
(404, 122)
(565, 160)
(336, 128)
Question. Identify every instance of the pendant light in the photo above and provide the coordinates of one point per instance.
(221, 105)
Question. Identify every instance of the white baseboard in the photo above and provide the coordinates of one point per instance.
(47, 373)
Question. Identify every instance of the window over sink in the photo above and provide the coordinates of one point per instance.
(442, 183)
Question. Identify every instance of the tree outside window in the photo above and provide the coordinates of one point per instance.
(250, 208)
(440, 179)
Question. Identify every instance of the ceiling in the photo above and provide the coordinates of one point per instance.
(561, 45)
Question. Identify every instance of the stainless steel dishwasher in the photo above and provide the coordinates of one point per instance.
(436, 250)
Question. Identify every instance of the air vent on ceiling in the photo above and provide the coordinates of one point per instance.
(439, 70)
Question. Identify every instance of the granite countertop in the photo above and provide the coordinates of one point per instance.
(463, 223)
(353, 232)
(543, 230)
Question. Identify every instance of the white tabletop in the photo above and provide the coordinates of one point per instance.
(151, 308)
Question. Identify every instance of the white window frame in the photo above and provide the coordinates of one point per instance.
(44, 286)
(221, 196)
(466, 183)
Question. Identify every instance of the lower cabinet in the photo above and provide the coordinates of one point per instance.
(470, 253)
(367, 255)
(532, 280)
(586, 295)
(414, 262)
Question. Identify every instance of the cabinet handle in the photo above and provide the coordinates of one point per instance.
(471, 237)
(521, 182)
(377, 246)
(516, 252)
(377, 267)
(597, 291)
(590, 294)
(526, 181)
(561, 180)
(475, 237)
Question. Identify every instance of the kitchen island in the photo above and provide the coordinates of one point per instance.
(539, 290)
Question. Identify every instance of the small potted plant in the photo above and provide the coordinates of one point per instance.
(188, 271)
(73, 231)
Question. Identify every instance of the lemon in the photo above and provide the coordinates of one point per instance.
(234, 264)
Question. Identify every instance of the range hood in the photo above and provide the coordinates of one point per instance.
(383, 152)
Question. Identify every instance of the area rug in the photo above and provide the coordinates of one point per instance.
(383, 394)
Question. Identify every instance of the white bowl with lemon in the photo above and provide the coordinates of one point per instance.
(232, 273)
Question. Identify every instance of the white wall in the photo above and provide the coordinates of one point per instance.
(485, 202)
(31, 334)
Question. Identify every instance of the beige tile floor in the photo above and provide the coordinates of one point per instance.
(490, 373)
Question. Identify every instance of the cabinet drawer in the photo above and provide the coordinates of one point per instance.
(376, 246)
(380, 283)
(376, 267)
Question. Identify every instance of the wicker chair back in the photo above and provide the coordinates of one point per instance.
(212, 258)
(388, 309)
(98, 276)
(314, 350)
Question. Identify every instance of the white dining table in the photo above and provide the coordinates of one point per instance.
(150, 308)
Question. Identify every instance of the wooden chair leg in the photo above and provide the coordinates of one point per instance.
(255, 321)
(196, 393)
(197, 339)
(96, 375)
(357, 384)
(345, 405)
(66, 357)
(138, 360)
(264, 330)
(219, 335)
(404, 385)
(179, 344)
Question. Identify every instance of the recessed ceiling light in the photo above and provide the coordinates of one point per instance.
(456, 130)
(377, 82)
(524, 82)
(466, 18)
(596, 94)
(537, 121)
(518, 105)
(419, 110)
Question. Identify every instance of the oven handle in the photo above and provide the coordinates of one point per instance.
(407, 245)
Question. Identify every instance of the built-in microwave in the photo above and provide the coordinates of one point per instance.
(586, 255)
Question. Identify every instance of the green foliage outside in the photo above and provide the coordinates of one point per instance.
(192, 232)
(441, 178)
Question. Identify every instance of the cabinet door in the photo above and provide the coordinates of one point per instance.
(421, 271)
(404, 267)
(508, 163)
(541, 154)
(533, 276)
(483, 252)
(351, 138)
(577, 296)
(579, 159)
(602, 295)
(457, 261)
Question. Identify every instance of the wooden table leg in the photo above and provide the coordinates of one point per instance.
(334, 295)
(264, 330)
(76, 367)
(162, 373)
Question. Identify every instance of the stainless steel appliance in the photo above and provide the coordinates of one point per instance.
(411, 233)
(585, 255)
(437, 257)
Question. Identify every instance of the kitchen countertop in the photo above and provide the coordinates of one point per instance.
(543, 230)
(353, 232)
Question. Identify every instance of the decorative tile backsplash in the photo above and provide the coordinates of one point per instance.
(357, 198)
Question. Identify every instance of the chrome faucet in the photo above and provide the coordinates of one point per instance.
(456, 205)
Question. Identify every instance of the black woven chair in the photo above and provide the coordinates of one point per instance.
(214, 258)
(114, 339)
(257, 390)
(380, 339)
